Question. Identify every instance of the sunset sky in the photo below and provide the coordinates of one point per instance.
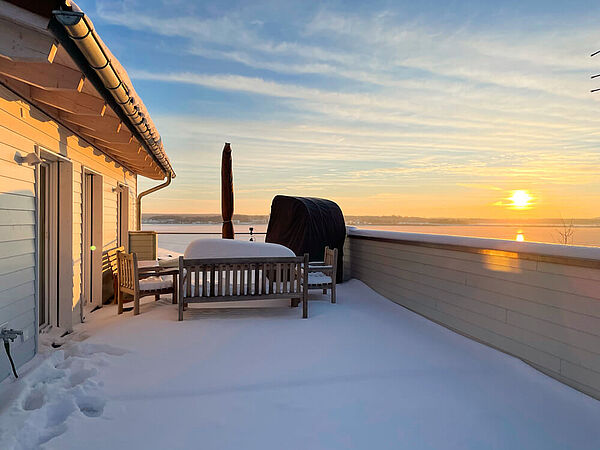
(429, 108)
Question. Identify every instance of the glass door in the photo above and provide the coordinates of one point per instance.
(43, 246)
(87, 241)
(48, 244)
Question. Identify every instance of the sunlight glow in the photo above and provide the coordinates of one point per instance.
(520, 237)
(520, 200)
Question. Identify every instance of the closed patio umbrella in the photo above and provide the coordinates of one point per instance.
(227, 193)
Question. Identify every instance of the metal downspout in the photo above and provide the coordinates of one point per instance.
(143, 194)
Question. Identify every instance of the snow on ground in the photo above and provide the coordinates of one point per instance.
(61, 387)
(362, 374)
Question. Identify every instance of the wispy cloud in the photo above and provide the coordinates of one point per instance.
(376, 104)
(479, 186)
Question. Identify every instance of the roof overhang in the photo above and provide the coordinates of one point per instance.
(57, 61)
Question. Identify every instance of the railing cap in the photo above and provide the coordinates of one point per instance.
(532, 248)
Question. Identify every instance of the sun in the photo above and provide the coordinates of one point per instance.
(521, 199)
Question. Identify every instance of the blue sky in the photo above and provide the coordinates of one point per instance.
(430, 108)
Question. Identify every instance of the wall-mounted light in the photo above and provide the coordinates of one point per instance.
(31, 159)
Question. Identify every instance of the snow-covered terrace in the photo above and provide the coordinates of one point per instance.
(364, 373)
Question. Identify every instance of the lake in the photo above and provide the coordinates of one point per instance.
(582, 235)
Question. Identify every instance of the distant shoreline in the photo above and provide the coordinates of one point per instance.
(242, 219)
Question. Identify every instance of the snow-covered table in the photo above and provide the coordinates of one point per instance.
(147, 264)
(229, 248)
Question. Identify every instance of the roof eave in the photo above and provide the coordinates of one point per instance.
(76, 34)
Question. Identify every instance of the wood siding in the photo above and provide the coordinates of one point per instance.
(547, 314)
(17, 253)
(23, 129)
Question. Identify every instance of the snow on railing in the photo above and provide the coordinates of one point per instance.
(533, 248)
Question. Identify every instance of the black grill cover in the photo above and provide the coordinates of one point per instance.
(307, 225)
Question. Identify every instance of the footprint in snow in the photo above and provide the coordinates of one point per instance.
(77, 377)
(35, 399)
(63, 386)
(90, 405)
(58, 412)
(86, 350)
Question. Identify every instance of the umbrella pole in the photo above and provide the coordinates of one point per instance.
(227, 193)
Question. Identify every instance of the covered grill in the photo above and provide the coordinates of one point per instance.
(307, 225)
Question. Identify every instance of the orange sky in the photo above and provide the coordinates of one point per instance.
(349, 107)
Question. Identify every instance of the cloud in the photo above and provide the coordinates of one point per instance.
(361, 103)
(479, 186)
(382, 46)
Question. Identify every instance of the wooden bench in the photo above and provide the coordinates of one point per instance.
(241, 279)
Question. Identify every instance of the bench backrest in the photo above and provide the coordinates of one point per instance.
(109, 260)
(232, 278)
(330, 258)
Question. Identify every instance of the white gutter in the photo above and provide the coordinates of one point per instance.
(81, 30)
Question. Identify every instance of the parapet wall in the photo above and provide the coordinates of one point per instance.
(538, 302)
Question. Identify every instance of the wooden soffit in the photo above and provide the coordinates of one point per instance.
(37, 68)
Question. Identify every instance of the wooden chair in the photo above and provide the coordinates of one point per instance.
(109, 262)
(322, 274)
(140, 283)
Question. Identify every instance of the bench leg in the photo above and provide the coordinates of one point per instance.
(333, 299)
(115, 289)
(305, 305)
(119, 301)
(175, 282)
(324, 291)
(305, 288)
(136, 304)
(178, 296)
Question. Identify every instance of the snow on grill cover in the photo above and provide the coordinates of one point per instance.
(307, 225)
